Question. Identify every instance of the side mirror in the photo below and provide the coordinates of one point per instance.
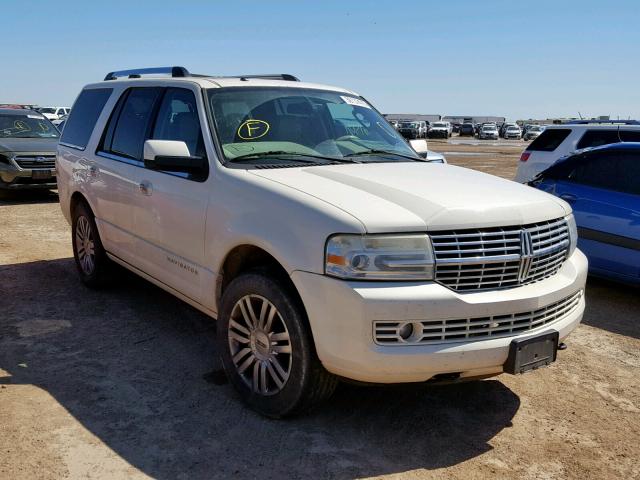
(420, 147)
(172, 156)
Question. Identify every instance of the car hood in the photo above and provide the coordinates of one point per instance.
(39, 145)
(388, 197)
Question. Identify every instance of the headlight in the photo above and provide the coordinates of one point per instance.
(573, 233)
(379, 257)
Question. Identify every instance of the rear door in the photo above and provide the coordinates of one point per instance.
(170, 207)
(119, 164)
(604, 191)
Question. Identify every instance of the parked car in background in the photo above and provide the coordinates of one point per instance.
(410, 130)
(455, 128)
(467, 129)
(60, 120)
(54, 113)
(532, 132)
(602, 185)
(512, 131)
(503, 128)
(322, 248)
(440, 130)
(18, 105)
(488, 132)
(28, 143)
(556, 141)
(393, 123)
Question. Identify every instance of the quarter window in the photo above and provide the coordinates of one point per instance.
(86, 110)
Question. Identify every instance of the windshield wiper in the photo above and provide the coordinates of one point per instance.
(277, 153)
(374, 151)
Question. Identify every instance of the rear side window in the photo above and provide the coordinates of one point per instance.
(630, 135)
(595, 138)
(618, 171)
(549, 140)
(82, 120)
(128, 127)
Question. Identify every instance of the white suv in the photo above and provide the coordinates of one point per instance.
(557, 141)
(54, 113)
(295, 215)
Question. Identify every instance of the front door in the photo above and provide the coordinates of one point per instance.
(170, 208)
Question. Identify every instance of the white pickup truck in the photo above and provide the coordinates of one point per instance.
(325, 247)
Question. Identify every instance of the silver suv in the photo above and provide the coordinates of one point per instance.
(28, 144)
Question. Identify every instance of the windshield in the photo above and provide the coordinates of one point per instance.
(26, 126)
(272, 121)
(536, 129)
(489, 127)
(439, 125)
(512, 128)
(408, 125)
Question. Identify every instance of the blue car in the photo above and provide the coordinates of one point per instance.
(602, 185)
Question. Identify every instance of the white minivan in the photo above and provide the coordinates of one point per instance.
(323, 245)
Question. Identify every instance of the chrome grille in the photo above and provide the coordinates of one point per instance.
(36, 161)
(500, 257)
(473, 328)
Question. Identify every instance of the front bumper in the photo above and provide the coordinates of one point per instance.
(438, 134)
(14, 178)
(342, 313)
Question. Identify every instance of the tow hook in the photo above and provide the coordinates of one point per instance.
(562, 346)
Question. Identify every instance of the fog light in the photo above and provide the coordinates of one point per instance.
(406, 331)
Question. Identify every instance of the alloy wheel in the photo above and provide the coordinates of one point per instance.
(260, 345)
(85, 246)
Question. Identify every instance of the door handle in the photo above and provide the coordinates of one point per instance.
(145, 187)
(568, 197)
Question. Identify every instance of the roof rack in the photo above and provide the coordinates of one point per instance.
(602, 122)
(138, 72)
(183, 72)
(272, 76)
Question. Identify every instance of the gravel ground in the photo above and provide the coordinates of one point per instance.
(121, 384)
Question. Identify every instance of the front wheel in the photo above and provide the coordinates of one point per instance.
(266, 347)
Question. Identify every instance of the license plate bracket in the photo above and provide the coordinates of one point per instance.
(41, 174)
(531, 353)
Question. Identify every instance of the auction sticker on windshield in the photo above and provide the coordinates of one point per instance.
(253, 129)
(357, 102)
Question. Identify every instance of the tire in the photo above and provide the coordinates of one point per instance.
(94, 267)
(279, 383)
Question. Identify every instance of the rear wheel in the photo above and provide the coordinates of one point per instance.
(267, 350)
(94, 267)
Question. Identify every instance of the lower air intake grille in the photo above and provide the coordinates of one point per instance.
(473, 328)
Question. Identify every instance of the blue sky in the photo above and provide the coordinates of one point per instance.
(515, 58)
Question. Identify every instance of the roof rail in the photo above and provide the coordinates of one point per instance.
(270, 76)
(183, 72)
(138, 72)
(602, 122)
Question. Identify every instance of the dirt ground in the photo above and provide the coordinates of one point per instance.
(119, 384)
